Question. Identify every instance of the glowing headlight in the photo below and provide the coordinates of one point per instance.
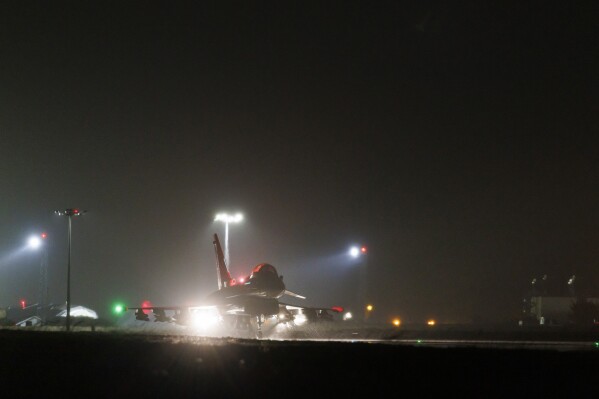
(283, 317)
(204, 318)
(300, 319)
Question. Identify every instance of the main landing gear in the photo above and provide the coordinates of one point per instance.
(259, 320)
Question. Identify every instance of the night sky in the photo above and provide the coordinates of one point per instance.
(458, 142)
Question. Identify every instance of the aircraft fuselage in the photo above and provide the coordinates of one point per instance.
(257, 296)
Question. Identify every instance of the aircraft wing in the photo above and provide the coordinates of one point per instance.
(173, 314)
(287, 292)
(152, 308)
(303, 314)
(335, 309)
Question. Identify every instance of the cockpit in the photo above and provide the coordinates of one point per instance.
(264, 268)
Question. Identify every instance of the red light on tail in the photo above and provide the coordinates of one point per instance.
(337, 309)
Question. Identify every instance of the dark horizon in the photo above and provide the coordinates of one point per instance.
(456, 142)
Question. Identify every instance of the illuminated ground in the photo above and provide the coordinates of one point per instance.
(134, 363)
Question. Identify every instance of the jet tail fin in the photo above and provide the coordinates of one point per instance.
(224, 277)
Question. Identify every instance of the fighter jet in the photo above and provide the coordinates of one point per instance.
(237, 305)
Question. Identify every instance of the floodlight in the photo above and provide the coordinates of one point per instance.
(34, 242)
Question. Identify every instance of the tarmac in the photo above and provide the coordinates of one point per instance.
(128, 363)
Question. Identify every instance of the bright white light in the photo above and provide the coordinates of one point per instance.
(34, 242)
(281, 327)
(224, 217)
(283, 317)
(354, 252)
(300, 319)
(204, 318)
(347, 316)
(79, 311)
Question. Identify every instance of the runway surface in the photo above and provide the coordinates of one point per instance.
(133, 364)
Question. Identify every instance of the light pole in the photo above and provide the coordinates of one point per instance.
(361, 253)
(35, 242)
(70, 212)
(226, 218)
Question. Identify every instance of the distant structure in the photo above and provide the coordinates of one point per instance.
(539, 286)
(79, 311)
(541, 308)
(554, 310)
(32, 321)
(56, 315)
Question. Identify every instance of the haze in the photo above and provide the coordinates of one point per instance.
(457, 143)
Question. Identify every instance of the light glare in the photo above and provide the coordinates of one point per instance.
(300, 319)
(224, 217)
(34, 242)
(204, 318)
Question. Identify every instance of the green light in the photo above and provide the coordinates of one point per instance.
(596, 344)
(118, 308)
(419, 341)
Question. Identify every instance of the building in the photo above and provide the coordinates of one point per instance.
(30, 322)
(548, 310)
